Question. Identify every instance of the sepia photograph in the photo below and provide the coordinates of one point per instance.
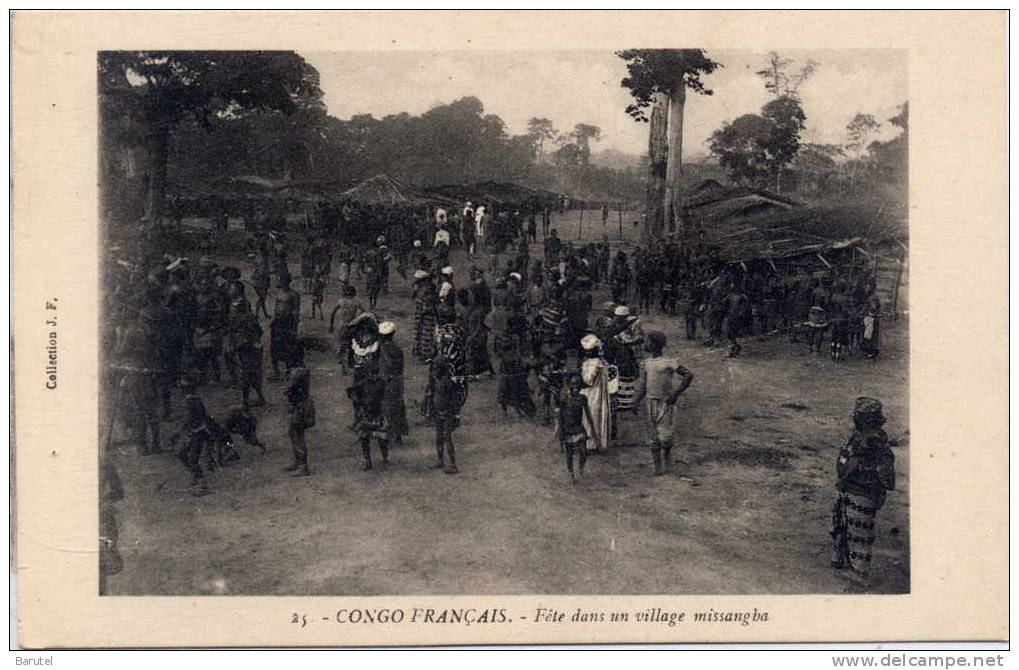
(510, 329)
(565, 322)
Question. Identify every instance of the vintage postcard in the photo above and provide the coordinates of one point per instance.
(435, 328)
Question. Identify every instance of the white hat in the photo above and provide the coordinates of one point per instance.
(515, 275)
(622, 310)
(448, 270)
(589, 342)
(387, 328)
(420, 274)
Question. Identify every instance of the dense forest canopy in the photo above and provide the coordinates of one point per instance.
(175, 122)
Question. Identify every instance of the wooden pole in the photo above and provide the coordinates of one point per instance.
(895, 290)
(619, 207)
(580, 231)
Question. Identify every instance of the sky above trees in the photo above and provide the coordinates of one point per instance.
(571, 87)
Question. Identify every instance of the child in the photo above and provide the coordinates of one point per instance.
(866, 472)
(659, 397)
(573, 412)
(370, 422)
(447, 399)
(302, 417)
(318, 291)
(198, 437)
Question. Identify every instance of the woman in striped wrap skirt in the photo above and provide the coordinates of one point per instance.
(425, 317)
(866, 472)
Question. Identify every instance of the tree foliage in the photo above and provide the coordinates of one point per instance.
(779, 81)
(742, 148)
(652, 71)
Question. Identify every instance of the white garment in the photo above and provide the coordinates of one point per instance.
(441, 236)
(479, 222)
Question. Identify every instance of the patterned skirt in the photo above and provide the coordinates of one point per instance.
(853, 518)
(424, 340)
(627, 393)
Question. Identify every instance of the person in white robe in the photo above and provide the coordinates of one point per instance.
(598, 378)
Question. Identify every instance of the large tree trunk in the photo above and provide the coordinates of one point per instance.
(158, 155)
(658, 156)
(673, 183)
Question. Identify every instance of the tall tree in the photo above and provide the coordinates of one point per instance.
(582, 135)
(164, 87)
(860, 131)
(742, 148)
(668, 72)
(658, 160)
(787, 118)
(779, 81)
(541, 130)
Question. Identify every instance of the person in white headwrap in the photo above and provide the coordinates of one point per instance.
(627, 347)
(391, 373)
(598, 377)
(479, 222)
(425, 316)
(446, 307)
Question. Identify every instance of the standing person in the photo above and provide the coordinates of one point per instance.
(371, 419)
(658, 396)
(348, 309)
(645, 277)
(514, 390)
(481, 295)
(737, 311)
(245, 334)
(620, 277)
(595, 373)
(476, 342)
(553, 247)
(376, 281)
(198, 436)
(168, 345)
(302, 417)
(260, 282)
(425, 316)
(866, 472)
(870, 341)
(626, 348)
(532, 228)
(447, 401)
(469, 233)
(446, 306)
(572, 415)
(604, 257)
(283, 345)
(391, 373)
(318, 292)
(479, 224)
(136, 362)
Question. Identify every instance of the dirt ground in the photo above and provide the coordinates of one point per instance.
(747, 513)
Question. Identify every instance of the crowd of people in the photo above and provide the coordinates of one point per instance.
(180, 327)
